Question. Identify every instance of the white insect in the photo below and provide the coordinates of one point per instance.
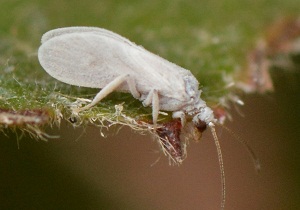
(98, 58)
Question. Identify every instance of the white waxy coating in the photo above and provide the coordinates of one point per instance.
(93, 57)
(98, 58)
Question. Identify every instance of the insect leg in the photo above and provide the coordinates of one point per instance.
(110, 87)
(153, 99)
(181, 115)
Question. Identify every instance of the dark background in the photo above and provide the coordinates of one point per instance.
(82, 170)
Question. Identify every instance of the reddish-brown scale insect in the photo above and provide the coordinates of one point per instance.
(20, 117)
(169, 134)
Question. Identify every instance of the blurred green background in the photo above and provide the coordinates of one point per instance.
(82, 170)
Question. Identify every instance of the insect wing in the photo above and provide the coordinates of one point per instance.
(93, 57)
(81, 59)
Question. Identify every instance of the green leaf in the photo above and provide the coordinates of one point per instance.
(211, 38)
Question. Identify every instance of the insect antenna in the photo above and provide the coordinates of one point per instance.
(250, 151)
(221, 163)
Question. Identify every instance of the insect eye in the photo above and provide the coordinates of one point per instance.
(191, 86)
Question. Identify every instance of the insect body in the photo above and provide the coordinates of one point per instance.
(98, 58)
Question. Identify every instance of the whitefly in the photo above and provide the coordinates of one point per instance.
(98, 58)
